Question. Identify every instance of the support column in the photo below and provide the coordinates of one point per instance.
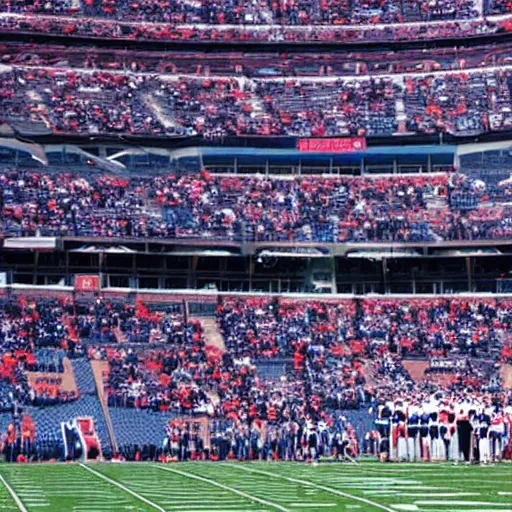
(334, 283)
(384, 275)
(469, 271)
(36, 269)
(251, 271)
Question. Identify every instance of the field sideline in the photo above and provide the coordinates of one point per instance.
(255, 487)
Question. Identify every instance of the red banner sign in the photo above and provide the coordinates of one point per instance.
(338, 145)
(87, 283)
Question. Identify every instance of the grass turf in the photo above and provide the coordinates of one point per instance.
(253, 487)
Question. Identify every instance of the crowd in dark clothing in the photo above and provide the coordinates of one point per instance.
(334, 340)
(435, 327)
(347, 209)
(296, 439)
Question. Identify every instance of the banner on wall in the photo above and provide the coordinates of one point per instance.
(333, 145)
(85, 283)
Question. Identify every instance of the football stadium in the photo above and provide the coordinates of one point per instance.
(256, 255)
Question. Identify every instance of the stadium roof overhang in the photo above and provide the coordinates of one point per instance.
(223, 248)
(118, 157)
(467, 149)
(45, 154)
(28, 149)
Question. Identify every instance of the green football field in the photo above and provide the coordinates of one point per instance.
(251, 487)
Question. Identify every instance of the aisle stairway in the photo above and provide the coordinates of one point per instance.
(99, 370)
(212, 333)
(506, 376)
(119, 335)
(87, 386)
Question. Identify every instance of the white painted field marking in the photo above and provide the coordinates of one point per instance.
(382, 492)
(122, 487)
(226, 488)
(206, 509)
(219, 503)
(474, 510)
(311, 484)
(461, 503)
(313, 505)
(437, 494)
(14, 496)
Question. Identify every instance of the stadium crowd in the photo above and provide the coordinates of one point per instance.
(34, 337)
(332, 348)
(98, 28)
(346, 209)
(241, 12)
(343, 355)
(77, 101)
(257, 418)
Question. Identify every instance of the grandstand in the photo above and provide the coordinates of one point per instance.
(239, 236)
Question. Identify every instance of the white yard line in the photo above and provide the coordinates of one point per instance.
(123, 488)
(225, 487)
(14, 496)
(316, 486)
